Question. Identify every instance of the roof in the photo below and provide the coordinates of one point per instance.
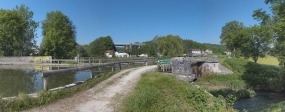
(109, 51)
(209, 50)
(196, 50)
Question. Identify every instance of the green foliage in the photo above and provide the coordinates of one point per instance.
(217, 49)
(17, 31)
(23, 102)
(160, 92)
(264, 77)
(278, 107)
(69, 62)
(82, 50)
(147, 49)
(224, 92)
(188, 45)
(170, 45)
(237, 65)
(99, 46)
(59, 38)
(232, 81)
(259, 39)
(244, 93)
(232, 36)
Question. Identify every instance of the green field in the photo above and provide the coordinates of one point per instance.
(268, 60)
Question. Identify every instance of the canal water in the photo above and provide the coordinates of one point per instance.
(15, 81)
(262, 99)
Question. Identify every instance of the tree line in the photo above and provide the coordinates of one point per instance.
(256, 41)
(17, 38)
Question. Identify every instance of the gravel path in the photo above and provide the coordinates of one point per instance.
(104, 97)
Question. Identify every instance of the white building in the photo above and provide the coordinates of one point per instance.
(143, 55)
(228, 53)
(209, 51)
(196, 51)
(117, 54)
(109, 53)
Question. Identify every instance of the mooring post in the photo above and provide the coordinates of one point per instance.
(89, 61)
(120, 66)
(91, 73)
(113, 68)
(45, 81)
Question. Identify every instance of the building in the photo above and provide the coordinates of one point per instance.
(209, 51)
(121, 54)
(228, 53)
(196, 51)
(109, 53)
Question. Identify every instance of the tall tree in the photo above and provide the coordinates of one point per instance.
(59, 38)
(99, 46)
(277, 24)
(170, 45)
(232, 36)
(147, 49)
(17, 31)
(259, 40)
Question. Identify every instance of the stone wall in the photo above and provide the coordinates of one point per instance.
(214, 68)
(181, 67)
(25, 59)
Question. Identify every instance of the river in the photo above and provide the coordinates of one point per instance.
(261, 100)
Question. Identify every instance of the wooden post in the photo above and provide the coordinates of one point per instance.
(91, 73)
(146, 63)
(120, 66)
(89, 61)
(163, 68)
(57, 61)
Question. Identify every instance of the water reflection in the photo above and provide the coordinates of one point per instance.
(14, 80)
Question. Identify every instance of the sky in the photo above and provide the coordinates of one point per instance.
(129, 21)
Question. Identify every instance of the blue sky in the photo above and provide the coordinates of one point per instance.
(129, 21)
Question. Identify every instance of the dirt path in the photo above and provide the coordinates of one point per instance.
(104, 97)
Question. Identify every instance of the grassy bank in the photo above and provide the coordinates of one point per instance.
(279, 107)
(161, 92)
(268, 60)
(248, 76)
(23, 102)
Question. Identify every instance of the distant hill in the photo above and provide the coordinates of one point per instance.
(188, 45)
(216, 48)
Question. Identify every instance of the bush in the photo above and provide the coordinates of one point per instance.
(244, 93)
(264, 77)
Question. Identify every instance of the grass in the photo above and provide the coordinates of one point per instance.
(268, 60)
(279, 107)
(160, 92)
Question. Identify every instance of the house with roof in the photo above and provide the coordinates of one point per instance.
(228, 53)
(109, 53)
(209, 51)
(196, 51)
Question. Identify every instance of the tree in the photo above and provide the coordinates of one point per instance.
(17, 31)
(277, 23)
(259, 40)
(147, 49)
(59, 38)
(170, 45)
(232, 36)
(99, 46)
(82, 50)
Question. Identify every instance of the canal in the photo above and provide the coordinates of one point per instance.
(15, 81)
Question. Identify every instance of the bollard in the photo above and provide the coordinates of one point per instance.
(120, 66)
(45, 81)
(91, 73)
(113, 68)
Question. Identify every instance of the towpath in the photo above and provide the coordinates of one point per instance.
(104, 97)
